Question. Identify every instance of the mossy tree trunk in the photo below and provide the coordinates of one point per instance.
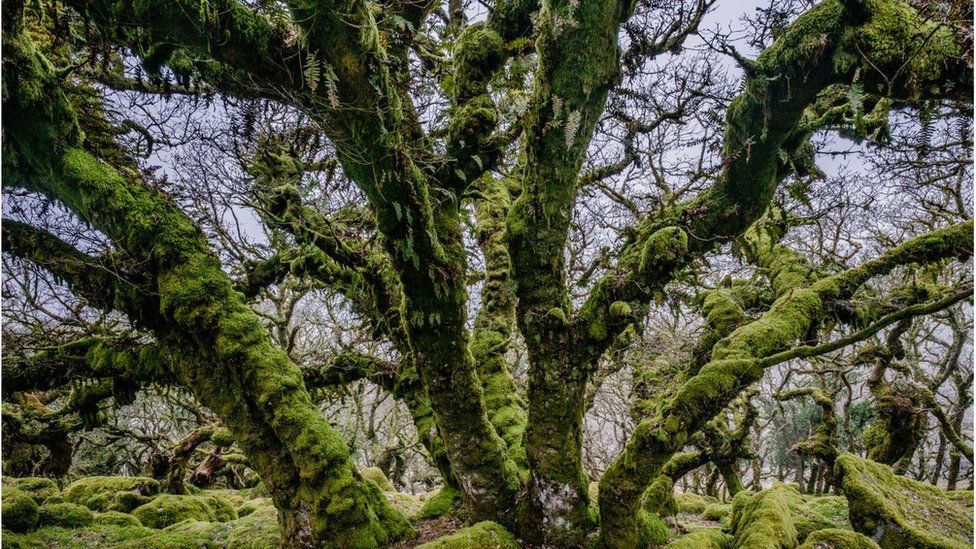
(514, 461)
(219, 345)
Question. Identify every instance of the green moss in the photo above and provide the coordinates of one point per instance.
(168, 509)
(252, 505)
(900, 423)
(809, 524)
(478, 53)
(483, 535)
(116, 518)
(379, 479)
(719, 512)
(201, 530)
(620, 309)
(764, 519)
(222, 437)
(111, 493)
(443, 503)
(836, 538)
(99, 536)
(691, 503)
(703, 538)
(257, 530)
(660, 498)
(65, 515)
(19, 512)
(407, 504)
(652, 532)
(831, 508)
(898, 512)
(39, 488)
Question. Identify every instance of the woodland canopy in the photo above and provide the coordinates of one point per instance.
(487, 273)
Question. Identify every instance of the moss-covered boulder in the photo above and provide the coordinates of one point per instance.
(703, 538)
(837, 538)
(251, 505)
(111, 493)
(831, 508)
(765, 519)
(234, 498)
(719, 512)
(65, 515)
(379, 479)
(407, 504)
(19, 510)
(257, 530)
(116, 518)
(168, 509)
(782, 517)
(204, 532)
(444, 502)
(39, 488)
(898, 512)
(483, 535)
(692, 504)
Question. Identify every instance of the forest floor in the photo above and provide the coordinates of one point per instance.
(130, 512)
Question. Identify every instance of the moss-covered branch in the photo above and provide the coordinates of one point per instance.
(737, 361)
(126, 362)
(234, 48)
(105, 282)
(823, 443)
(883, 45)
(222, 350)
(578, 64)
(494, 326)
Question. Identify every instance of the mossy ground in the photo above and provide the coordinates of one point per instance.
(483, 535)
(444, 502)
(205, 520)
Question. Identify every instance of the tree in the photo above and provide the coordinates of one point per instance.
(402, 259)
